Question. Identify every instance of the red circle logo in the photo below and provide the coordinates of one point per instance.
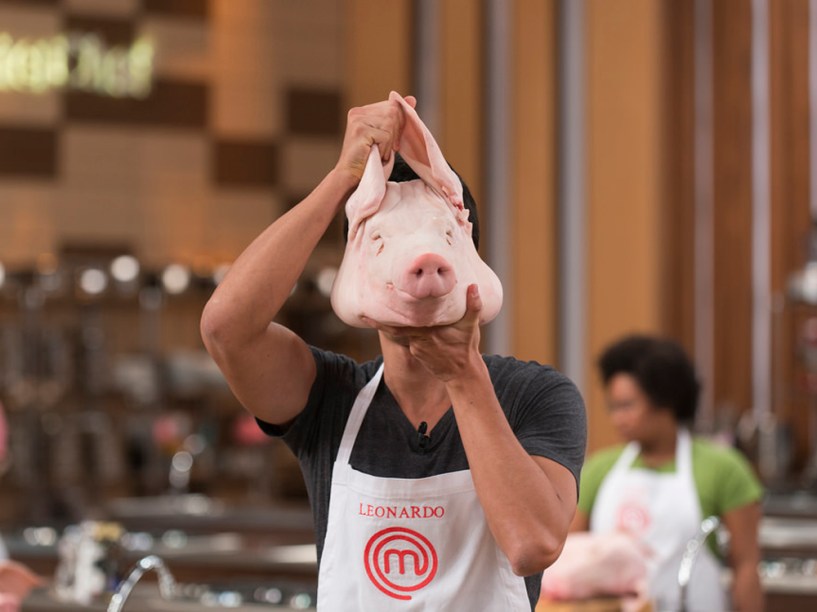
(399, 561)
(633, 518)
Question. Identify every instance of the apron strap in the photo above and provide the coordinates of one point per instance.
(359, 408)
(683, 453)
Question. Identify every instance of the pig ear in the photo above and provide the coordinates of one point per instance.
(421, 152)
(366, 199)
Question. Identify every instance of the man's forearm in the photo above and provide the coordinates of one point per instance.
(260, 280)
(525, 509)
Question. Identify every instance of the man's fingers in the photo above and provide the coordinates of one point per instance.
(400, 118)
(473, 302)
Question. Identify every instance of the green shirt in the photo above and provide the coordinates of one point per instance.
(723, 478)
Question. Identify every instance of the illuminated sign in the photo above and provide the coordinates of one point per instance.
(80, 62)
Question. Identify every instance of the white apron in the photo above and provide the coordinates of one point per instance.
(409, 544)
(662, 509)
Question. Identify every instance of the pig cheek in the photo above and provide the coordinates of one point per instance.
(347, 292)
(370, 281)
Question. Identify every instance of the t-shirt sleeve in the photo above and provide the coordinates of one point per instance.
(336, 379)
(550, 419)
(737, 483)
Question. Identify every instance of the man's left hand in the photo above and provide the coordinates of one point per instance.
(447, 351)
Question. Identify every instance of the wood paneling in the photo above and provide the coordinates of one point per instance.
(111, 31)
(678, 248)
(28, 3)
(732, 205)
(462, 108)
(533, 181)
(379, 43)
(178, 8)
(195, 170)
(790, 206)
(625, 174)
(314, 112)
(117, 8)
(170, 104)
(28, 152)
(246, 164)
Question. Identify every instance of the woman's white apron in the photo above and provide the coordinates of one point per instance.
(663, 511)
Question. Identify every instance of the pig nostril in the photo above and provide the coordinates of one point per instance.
(432, 272)
(428, 276)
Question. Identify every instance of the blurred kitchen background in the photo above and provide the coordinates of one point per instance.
(641, 165)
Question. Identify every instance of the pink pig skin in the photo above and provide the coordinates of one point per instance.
(410, 257)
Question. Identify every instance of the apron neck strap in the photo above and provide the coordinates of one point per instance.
(359, 408)
(683, 453)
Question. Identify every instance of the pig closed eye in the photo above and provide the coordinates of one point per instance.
(449, 236)
(377, 239)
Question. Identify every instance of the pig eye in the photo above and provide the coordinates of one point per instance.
(449, 236)
(377, 238)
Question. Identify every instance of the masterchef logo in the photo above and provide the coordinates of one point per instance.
(400, 561)
(633, 518)
(401, 512)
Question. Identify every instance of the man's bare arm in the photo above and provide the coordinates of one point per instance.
(528, 501)
(268, 367)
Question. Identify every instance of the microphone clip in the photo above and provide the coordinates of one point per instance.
(422, 437)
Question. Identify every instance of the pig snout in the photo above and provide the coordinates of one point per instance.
(428, 276)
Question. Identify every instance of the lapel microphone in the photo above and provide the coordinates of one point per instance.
(422, 438)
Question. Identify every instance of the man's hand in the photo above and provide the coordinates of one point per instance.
(381, 124)
(447, 351)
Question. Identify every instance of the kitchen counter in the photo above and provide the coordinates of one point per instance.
(145, 598)
(788, 543)
(190, 532)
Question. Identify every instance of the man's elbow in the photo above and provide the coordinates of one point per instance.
(215, 327)
(534, 555)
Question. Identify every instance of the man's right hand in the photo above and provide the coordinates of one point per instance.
(268, 367)
(381, 124)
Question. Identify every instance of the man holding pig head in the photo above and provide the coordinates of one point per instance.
(439, 478)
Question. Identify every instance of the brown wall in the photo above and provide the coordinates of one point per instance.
(624, 182)
(249, 107)
(533, 167)
(244, 118)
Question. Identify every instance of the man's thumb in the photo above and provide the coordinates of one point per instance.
(473, 302)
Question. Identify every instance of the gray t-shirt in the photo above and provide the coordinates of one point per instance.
(543, 407)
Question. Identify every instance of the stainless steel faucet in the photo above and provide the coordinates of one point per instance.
(708, 526)
(167, 584)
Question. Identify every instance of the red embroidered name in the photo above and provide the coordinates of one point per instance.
(401, 512)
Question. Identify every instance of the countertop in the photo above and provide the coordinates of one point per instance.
(145, 598)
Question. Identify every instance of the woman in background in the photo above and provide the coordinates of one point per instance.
(664, 482)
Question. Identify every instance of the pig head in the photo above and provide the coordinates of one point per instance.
(409, 254)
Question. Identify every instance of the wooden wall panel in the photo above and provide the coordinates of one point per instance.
(148, 172)
(462, 127)
(119, 8)
(790, 208)
(678, 249)
(246, 90)
(533, 168)
(28, 152)
(732, 205)
(378, 50)
(625, 188)
(174, 104)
